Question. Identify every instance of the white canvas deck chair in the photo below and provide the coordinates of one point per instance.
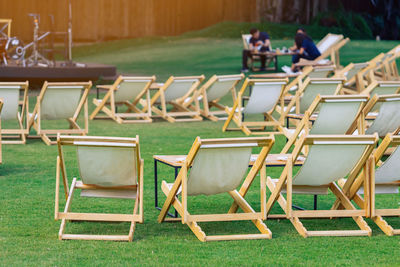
(390, 70)
(328, 115)
(381, 115)
(329, 46)
(127, 91)
(382, 88)
(354, 73)
(321, 71)
(254, 58)
(61, 101)
(10, 93)
(265, 95)
(306, 94)
(109, 167)
(385, 179)
(215, 166)
(174, 92)
(382, 66)
(211, 93)
(330, 158)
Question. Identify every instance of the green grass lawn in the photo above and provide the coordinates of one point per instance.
(28, 232)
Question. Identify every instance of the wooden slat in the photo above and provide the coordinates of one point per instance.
(98, 217)
(224, 217)
(236, 237)
(96, 237)
(327, 213)
(338, 233)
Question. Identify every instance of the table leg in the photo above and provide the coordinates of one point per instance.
(97, 92)
(315, 202)
(155, 184)
(176, 175)
(276, 63)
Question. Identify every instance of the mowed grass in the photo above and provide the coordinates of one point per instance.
(28, 232)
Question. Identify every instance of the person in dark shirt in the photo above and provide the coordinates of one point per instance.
(259, 41)
(305, 47)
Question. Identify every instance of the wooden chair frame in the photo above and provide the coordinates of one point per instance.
(306, 122)
(352, 191)
(295, 101)
(255, 127)
(66, 215)
(238, 197)
(285, 181)
(332, 51)
(45, 134)
(133, 111)
(214, 115)
(357, 83)
(361, 124)
(374, 84)
(179, 108)
(18, 136)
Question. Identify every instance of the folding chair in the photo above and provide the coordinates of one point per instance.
(382, 88)
(174, 92)
(61, 101)
(307, 93)
(246, 42)
(215, 166)
(328, 42)
(127, 91)
(330, 158)
(391, 73)
(212, 92)
(321, 71)
(10, 93)
(383, 180)
(265, 96)
(336, 115)
(384, 112)
(109, 167)
(328, 46)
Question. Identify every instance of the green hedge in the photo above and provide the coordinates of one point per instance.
(354, 30)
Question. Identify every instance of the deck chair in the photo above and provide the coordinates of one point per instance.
(390, 70)
(254, 58)
(385, 179)
(354, 75)
(329, 46)
(10, 93)
(330, 158)
(265, 95)
(306, 95)
(212, 92)
(61, 101)
(336, 115)
(321, 71)
(109, 167)
(215, 166)
(127, 91)
(382, 88)
(384, 112)
(174, 92)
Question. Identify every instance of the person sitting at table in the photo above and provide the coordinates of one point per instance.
(259, 42)
(305, 48)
